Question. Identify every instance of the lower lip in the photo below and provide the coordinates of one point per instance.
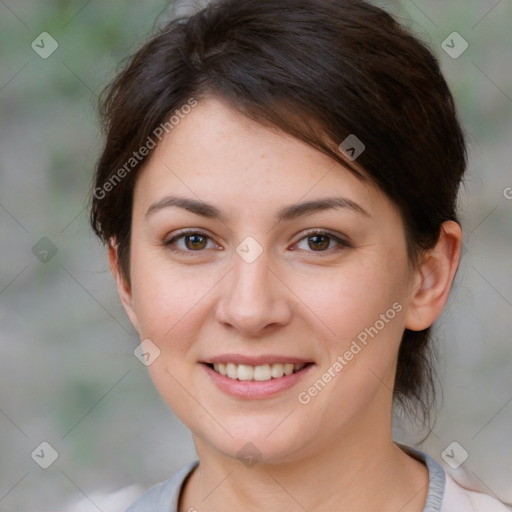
(253, 389)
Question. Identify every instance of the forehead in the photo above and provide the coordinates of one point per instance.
(217, 154)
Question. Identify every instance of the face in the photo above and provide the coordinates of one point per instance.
(255, 255)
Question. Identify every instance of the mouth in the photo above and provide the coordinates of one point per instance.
(254, 377)
(258, 373)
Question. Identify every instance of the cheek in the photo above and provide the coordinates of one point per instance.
(349, 299)
(162, 298)
(172, 303)
(169, 309)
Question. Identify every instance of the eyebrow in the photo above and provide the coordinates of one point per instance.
(287, 213)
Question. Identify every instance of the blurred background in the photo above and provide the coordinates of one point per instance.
(68, 375)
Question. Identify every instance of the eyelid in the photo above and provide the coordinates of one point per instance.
(341, 240)
(168, 243)
(184, 232)
(323, 231)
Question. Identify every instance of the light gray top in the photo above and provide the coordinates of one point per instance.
(441, 497)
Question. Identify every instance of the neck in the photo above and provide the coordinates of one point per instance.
(359, 472)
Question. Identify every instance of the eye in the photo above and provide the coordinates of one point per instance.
(321, 241)
(190, 241)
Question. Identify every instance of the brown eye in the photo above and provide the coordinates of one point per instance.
(319, 242)
(322, 242)
(191, 241)
(195, 242)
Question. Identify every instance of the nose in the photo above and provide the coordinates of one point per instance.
(254, 300)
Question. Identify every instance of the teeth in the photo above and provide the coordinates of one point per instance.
(277, 370)
(259, 373)
(245, 372)
(288, 369)
(262, 372)
(231, 371)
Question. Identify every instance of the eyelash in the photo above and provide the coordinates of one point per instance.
(342, 243)
(183, 234)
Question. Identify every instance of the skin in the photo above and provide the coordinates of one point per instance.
(336, 452)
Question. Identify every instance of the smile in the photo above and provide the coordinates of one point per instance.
(263, 372)
(255, 377)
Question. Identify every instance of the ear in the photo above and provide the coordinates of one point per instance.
(123, 286)
(434, 277)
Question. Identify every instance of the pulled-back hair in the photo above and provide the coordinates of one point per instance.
(319, 70)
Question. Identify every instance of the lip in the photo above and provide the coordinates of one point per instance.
(255, 360)
(253, 390)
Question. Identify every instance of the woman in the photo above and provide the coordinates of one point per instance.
(278, 194)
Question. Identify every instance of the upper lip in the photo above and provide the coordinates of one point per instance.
(255, 360)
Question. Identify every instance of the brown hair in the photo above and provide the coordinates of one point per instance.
(319, 70)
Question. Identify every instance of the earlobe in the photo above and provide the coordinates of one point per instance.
(434, 278)
(123, 286)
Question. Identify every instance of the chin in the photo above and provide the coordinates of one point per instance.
(253, 439)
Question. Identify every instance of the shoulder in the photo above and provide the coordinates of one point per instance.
(163, 497)
(461, 499)
(445, 494)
